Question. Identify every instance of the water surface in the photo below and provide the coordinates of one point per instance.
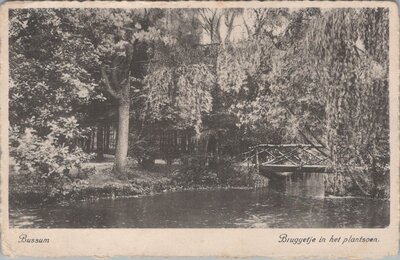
(291, 203)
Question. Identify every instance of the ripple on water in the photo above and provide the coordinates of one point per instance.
(223, 208)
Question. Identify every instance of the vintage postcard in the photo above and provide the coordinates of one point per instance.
(230, 129)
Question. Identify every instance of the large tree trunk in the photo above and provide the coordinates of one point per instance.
(119, 88)
(121, 152)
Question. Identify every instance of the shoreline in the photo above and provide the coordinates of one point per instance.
(71, 198)
(101, 183)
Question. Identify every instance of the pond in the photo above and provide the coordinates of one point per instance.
(291, 203)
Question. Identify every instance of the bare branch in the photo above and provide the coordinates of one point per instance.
(229, 20)
(247, 27)
(217, 30)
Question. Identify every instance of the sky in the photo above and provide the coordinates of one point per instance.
(240, 32)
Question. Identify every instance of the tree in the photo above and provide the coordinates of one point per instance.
(71, 54)
(211, 23)
(179, 83)
(352, 66)
(120, 90)
(246, 72)
(317, 76)
(116, 35)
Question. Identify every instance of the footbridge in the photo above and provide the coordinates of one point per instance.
(278, 159)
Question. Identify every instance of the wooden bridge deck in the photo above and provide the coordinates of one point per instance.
(293, 168)
(282, 168)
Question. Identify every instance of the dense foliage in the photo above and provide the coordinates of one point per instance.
(48, 85)
(352, 70)
(234, 77)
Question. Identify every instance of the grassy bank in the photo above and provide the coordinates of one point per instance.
(98, 181)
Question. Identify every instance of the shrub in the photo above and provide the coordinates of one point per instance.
(215, 171)
(143, 149)
(195, 173)
(45, 158)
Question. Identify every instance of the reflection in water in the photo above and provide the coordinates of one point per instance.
(293, 202)
(304, 185)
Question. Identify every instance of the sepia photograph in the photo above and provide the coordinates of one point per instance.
(198, 118)
(190, 128)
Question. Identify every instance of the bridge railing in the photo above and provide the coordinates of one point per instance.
(286, 156)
